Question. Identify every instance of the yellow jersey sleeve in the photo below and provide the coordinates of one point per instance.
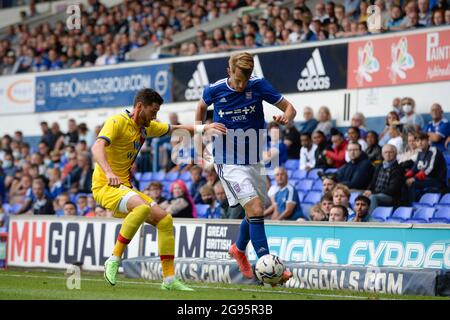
(157, 129)
(110, 130)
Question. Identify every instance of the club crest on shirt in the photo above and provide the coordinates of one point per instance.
(248, 95)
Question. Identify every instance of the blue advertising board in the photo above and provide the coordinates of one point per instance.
(100, 88)
(402, 247)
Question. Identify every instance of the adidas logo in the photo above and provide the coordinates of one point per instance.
(197, 83)
(223, 100)
(313, 76)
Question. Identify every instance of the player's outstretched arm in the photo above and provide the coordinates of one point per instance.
(99, 155)
(289, 112)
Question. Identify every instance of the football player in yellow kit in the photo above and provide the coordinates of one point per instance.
(114, 152)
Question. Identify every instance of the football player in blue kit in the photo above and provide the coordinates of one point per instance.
(238, 104)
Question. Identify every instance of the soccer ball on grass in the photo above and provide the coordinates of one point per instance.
(269, 269)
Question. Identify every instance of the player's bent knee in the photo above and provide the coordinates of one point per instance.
(254, 207)
(142, 211)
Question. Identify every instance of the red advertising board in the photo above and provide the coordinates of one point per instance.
(397, 60)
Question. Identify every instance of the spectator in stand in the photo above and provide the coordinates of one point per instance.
(336, 156)
(292, 140)
(214, 210)
(70, 209)
(387, 181)
(102, 212)
(277, 153)
(395, 132)
(438, 18)
(307, 153)
(396, 21)
(356, 173)
(197, 182)
(392, 117)
(373, 150)
(447, 16)
(397, 107)
(80, 177)
(413, 20)
(411, 151)
(424, 13)
(359, 121)
(40, 202)
(310, 123)
(321, 144)
(361, 206)
(211, 175)
(82, 204)
(181, 205)
(326, 202)
(86, 135)
(154, 190)
(429, 172)
(338, 213)
(341, 196)
(438, 128)
(324, 124)
(412, 120)
(287, 202)
(316, 214)
(329, 181)
(353, 136)
(55, 182)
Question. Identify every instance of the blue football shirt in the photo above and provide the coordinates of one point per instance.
(243, 115)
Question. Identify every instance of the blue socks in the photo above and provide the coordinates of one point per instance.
(253, 228)
(244, 235)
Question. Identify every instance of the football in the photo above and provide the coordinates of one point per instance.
(269, 269)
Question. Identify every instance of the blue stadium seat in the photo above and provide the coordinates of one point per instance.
(353, 196)
(428, 200)
(158, 176)
(15, 208)
(304, 185)
(292, 164)
(314, 174)
(400, 214)
(421, 215)
(442, 215)
(146, 176)
(185, 176)
(312, 197)
(445, 200)
(301, 195)
(188, 184)
(143, 184)
(381, 214)
(331, 170)
(317, 186)
(138, 175)
(171, 176)
(289, 172)
(306, 207)
(299, 175)
(201, 210)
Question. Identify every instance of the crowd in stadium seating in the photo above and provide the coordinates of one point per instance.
(404, 164)
(108, 34)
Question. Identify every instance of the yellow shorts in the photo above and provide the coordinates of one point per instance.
(109, 197)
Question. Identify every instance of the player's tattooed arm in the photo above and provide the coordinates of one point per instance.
(289, 112)
(98, 152)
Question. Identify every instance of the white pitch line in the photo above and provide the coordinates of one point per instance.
(205, 287)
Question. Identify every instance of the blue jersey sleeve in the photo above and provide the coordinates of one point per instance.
(208, 95)
(269, 93)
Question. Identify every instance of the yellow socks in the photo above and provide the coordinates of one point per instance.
(166, 245)
(130, 225)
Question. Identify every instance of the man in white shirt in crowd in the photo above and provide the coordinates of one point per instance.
(307, 152)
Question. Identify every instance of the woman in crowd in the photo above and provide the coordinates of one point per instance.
(325, 124)
(341, 196)
(181, 205)
(411, 151)
(373, 149)
(384, 135)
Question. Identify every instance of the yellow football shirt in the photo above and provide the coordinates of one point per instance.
(125, 139)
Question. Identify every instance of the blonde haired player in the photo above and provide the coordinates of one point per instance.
(238, 106)
(114, 151)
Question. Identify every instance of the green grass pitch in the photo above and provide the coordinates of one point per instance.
(38, 284)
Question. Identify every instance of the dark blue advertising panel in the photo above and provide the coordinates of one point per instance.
(100, 88)
(290, 71)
